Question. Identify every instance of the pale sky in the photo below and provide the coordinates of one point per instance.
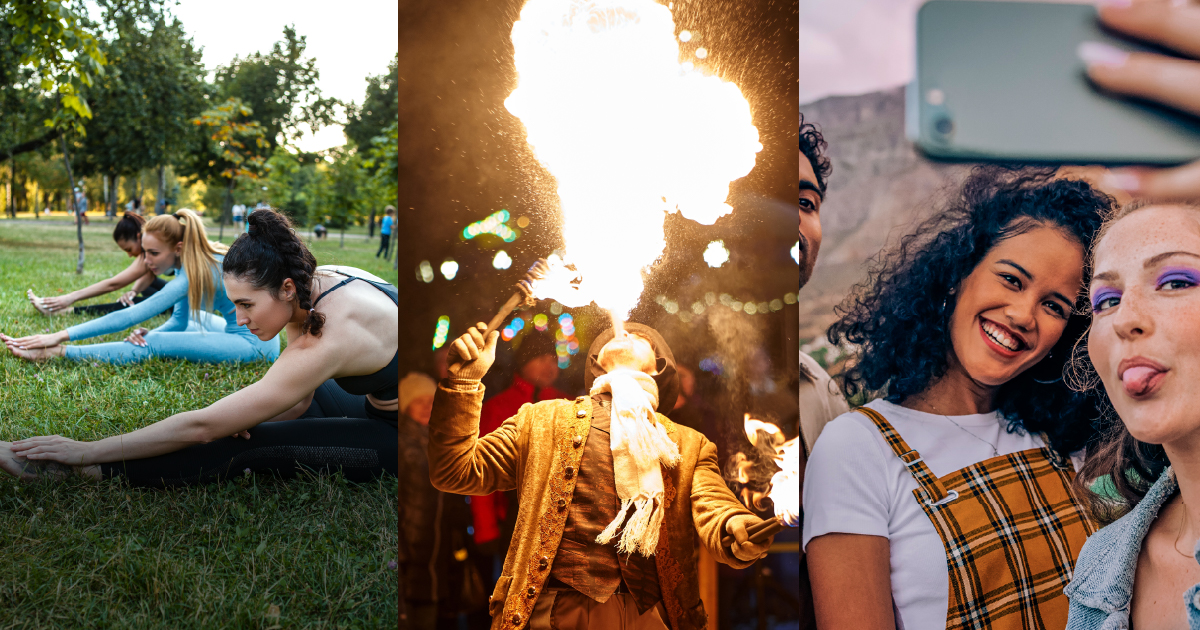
(857, 46)
(350, 39)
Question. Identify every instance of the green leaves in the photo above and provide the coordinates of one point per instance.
(54, 41)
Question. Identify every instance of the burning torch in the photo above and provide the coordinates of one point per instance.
(524, 294)
(785, 484)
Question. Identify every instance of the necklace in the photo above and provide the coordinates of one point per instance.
(1182, 520)
(995, 451)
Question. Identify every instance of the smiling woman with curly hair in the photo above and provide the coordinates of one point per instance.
(947, 498)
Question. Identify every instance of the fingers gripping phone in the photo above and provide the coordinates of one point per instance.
(1003, 81)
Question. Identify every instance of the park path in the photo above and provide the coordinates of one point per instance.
(99, 222)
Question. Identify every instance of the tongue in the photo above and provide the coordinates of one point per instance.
(1136, 379)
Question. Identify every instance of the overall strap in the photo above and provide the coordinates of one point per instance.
(932, 489)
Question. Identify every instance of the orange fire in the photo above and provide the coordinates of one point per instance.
(630, 134)
(785, 484)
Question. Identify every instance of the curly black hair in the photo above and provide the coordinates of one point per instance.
(813, 145)
(901, 322)
(269, 253)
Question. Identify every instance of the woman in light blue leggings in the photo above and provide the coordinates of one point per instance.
(192, 333)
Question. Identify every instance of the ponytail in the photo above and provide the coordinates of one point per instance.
(269, 253)
(199, 255)
(129, 228)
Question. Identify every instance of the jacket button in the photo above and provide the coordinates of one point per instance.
(562, 504)
(543, 562)
(581, 414)
(570, 471)
(516, 619)
(530, 592)
(578, 441)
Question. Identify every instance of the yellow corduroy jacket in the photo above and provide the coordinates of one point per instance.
(537, 452)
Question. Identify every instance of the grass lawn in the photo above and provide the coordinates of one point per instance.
(252, 553)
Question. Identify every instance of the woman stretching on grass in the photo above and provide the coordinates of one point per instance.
(341, 325)
(128, 235)
(176, 242)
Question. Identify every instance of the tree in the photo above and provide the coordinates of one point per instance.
(54, 41)
(146, 102)
(280, 87)
(238, 141)
(378, 110)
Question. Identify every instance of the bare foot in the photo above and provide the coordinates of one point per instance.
(36, 355)
(37, 303)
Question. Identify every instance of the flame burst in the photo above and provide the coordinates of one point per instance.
(629, 134)
(785, 484)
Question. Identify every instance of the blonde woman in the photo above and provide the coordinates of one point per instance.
(193, 333)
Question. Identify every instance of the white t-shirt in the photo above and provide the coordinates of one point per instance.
(855, 484)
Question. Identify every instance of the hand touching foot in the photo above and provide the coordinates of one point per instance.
(29, 470)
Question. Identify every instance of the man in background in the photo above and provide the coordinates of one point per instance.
(385, 232)
(820, 401)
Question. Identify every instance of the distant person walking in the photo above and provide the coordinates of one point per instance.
(239, 214)
(81, 205)
(385, 233)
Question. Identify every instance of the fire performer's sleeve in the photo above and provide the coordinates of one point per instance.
(713, 504)
(460, 461)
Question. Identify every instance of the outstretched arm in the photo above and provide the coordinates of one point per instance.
(716, 512)
(292, 378)
(135, 272)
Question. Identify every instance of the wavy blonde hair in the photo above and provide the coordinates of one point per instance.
(199, 254)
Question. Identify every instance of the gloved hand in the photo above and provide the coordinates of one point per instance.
(742, 549)
(471, 356)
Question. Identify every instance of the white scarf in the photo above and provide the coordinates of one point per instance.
(639, 446)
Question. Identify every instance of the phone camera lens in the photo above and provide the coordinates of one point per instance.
(943, 125)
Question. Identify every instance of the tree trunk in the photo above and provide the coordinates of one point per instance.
(162, 189)
(371, 226)
(227, 210)
(78, 214)
(342, 239)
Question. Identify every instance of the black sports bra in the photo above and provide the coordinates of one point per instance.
(384, 384)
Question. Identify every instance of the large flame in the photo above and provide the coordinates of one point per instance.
(785, 484)
(629, 134)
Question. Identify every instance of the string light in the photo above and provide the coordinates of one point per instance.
(565, 343)
(502, 260)
(449, 269)
(443, 329)
(687, 313)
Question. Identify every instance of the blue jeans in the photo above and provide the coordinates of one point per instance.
(200, 343)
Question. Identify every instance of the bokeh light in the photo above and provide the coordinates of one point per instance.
(440, 333)
(716, 254)
(425, 272)
(449, 269)
(502, 260)
(796, 252)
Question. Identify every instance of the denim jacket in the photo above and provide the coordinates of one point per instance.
(1102, 588)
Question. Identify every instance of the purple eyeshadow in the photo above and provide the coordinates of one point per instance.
(1179, 273)
(1103, 293)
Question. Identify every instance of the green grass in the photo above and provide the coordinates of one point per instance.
(251, 553)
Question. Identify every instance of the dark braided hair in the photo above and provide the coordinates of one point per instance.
(269, 253)
(129, 228)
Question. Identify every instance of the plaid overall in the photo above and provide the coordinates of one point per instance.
(1012, 531)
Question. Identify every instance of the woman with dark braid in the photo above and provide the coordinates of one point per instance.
(176, 242)
(328, 402)
(128, 236)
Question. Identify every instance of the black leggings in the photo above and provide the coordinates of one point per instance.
(104, 309)
(338, 431)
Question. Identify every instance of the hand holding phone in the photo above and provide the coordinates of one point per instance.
(1167, 80)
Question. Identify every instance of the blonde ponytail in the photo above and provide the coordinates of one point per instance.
(199, 254)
